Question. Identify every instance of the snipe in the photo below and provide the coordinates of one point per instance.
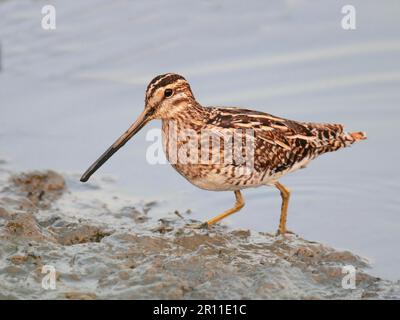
(279, 145)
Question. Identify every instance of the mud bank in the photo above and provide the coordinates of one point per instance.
(106, 249)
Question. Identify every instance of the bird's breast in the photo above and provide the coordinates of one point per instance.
(205, 166)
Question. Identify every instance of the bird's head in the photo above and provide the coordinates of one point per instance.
(166, 96)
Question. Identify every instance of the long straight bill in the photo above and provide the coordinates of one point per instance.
(133, 129)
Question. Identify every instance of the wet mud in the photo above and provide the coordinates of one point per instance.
(106, 249)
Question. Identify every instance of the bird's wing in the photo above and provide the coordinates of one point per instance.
(279, 143)
(271, 129)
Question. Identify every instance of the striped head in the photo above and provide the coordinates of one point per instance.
(167, 95)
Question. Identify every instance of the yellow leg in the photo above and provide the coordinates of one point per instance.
(238, 205)
(285, 194)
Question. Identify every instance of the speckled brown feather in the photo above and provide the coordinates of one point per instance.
(281, 143)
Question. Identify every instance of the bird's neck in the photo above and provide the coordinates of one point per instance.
(188, 114)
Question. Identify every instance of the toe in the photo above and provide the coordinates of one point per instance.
(284, 232)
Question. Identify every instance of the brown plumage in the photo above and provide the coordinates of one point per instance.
(283, 143)
(279, 145)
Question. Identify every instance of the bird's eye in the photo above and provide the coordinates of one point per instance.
(168, 93)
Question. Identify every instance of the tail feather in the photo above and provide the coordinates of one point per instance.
(358, 135)
(341, 140)
(331, 137)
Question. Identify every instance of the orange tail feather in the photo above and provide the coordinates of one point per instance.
(358, 135)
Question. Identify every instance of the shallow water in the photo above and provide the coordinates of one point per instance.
(65, 95)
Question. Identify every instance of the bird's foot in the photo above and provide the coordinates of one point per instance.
(283, 232)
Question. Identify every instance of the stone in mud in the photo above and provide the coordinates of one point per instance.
(19, 259)
(241, 233)
(25, 226)
(41, 188)
(69, 236)
(47, 181)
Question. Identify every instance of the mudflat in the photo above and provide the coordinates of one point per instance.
(102, 249)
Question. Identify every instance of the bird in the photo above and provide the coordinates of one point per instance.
(279, 146)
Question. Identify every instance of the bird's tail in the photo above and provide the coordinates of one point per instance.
(339, 139)
(352, 137)
(331, 137)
